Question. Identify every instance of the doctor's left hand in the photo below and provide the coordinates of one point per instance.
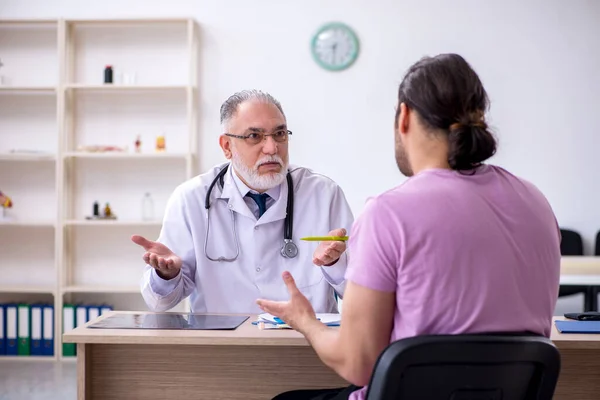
(297, 312)
(327, 253)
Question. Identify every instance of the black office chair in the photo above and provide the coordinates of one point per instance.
(461, 367)
(572, 245)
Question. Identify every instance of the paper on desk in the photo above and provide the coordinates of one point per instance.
(326, 318)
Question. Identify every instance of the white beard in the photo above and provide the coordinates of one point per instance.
(255, 180)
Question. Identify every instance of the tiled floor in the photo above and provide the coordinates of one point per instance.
(37, 380)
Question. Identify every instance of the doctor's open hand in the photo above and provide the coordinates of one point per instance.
(297, 312)
(327, 253)
(166, 263)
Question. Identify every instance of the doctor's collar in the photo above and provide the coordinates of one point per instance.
(274, 192)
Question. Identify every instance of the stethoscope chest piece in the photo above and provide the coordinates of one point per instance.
(289, 249)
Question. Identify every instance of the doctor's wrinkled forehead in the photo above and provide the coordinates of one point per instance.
(230, 106)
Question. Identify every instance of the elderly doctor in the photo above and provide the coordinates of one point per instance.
(228, 234)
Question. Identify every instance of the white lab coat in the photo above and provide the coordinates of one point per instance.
(233, 287)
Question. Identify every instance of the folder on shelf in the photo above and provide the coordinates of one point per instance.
(24, 330)
(48, 330)
(36, 330)
(105, 308)
(11, 329)
(93, 313)
(2, 330)
(68, 325)
(81, 315)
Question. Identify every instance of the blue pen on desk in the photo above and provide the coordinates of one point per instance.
(280, 321)
(283, 324)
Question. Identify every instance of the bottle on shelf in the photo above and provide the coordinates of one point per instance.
(5, 203)
(138, 144)
(147, 208)
(107, 211)
(2, 80)
(108, 74)
(161, 144)
(96, 209)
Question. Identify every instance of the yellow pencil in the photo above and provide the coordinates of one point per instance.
(325, 238)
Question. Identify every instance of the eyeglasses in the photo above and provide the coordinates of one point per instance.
(280, 136)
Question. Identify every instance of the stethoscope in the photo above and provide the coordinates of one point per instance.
(288, 250)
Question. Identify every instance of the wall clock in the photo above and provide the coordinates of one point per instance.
(335, 46)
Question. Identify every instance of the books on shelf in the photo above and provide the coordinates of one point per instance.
(26, 329)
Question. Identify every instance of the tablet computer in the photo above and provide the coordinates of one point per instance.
(172, 321)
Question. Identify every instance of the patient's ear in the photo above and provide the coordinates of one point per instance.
(403, 118)
(225, 144)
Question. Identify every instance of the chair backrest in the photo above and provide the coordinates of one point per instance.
(461, 367)
(571, 243)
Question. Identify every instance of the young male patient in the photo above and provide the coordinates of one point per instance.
(460, 247)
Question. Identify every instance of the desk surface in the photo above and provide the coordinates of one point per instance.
(580, 265)
(245, 335)
(249, 335)
(580, 270)
(574, 340)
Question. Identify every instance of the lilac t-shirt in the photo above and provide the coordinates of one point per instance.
(463, 253)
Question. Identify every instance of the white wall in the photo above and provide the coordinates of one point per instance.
(539, 60)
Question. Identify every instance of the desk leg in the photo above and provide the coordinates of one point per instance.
(579, 375)
(83, 371)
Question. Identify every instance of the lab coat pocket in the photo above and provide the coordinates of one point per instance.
(305, 275)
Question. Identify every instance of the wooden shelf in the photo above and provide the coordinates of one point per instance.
(111, 222)
(115, 87)
(27, 157)
(21, 22)
(27, 289)
(101, 289)
(122, 155)
(28, 358)
(31, 223)
(28, 89)
(129, 22)
(78, 109)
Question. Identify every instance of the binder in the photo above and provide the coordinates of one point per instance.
(36, 330)
(105, 309)
(11, 329)
(578, 326)
(93, 312)
(24, 323)
(68, 325)
(2, 330)
(81, 315)
(48, 329)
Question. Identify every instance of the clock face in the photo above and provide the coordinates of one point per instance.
(335, 47)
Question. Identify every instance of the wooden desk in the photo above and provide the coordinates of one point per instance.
(580, 365)
(246, 363)
(580, 270)
(250, 364)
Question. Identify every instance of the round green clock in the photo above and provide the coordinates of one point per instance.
(335, 46)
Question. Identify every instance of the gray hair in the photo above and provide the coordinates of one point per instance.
(230, 106)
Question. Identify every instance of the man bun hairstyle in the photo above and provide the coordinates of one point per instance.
(448, 96)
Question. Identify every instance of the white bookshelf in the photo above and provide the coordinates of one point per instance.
(54, 108)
